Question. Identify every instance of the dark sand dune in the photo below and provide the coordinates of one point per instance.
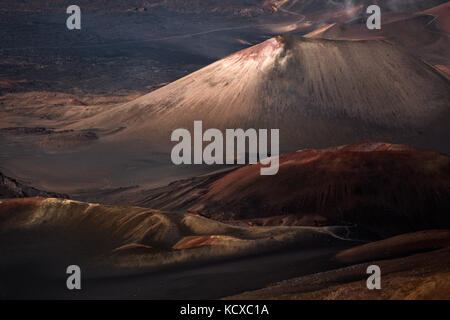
(147, 253)
(130, 228)
(131, 252)
(317, 92)
(385, 189)
(413, 266)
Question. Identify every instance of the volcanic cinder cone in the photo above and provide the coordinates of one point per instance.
(317, 92)
(387, 189)
(423, 33)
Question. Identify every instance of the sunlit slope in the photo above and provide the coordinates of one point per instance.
(312, 6)
(135, 252)
(424, 34)
(122, 228)
(317, 92)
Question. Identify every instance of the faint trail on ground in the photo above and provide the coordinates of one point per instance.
(345, 238)
(437, 32)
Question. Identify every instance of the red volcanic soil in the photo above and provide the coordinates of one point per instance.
(387, 6)
(133, 247)
(423, 33)
(442, 13)
(355, 183)
(386, 189)
(9, 83)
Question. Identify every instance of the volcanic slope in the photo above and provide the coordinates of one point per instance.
(384, 189)
(426, 33)
(11, 188)
(39, 237)
(310, 6)
(317, 92)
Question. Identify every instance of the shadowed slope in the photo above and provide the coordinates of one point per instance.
(414, 266)
(11, 188)
(123, 228)
(425, 34)
(143, 253)
(387, 189)
(317, 92)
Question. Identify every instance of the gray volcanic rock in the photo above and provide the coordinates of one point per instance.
(11, 188)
